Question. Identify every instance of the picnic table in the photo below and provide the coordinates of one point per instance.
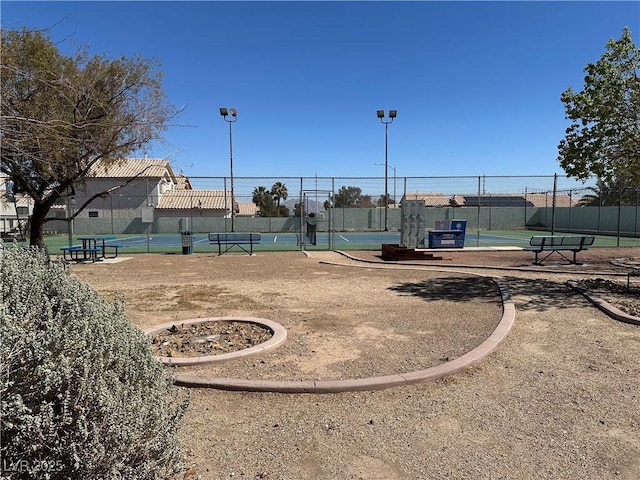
(93, 248)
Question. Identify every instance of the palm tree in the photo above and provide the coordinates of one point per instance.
(279, 192)
(609, 194)
(260, 195)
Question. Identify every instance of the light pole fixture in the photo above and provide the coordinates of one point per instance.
(394, 178)
(392, 115)
(234, 116)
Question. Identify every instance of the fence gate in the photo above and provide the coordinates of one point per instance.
(316, 223)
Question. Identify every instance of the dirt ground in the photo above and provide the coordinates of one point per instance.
(559, 399)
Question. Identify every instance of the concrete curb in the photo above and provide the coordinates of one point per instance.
(605, 306)
(372, 383)
(278, 338)
(440, 264)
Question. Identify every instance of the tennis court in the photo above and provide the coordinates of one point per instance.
(172, 243)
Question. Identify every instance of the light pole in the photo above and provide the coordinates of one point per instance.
(394, 179)
(392, 115)
(234, 114)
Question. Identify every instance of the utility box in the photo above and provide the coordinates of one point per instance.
(412, 226)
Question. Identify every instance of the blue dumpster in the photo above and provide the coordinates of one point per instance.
(449, 238)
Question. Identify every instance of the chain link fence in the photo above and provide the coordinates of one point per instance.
(283, 204)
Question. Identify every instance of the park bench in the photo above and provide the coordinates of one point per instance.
(229, 240)
(558, 244)
(78, 253)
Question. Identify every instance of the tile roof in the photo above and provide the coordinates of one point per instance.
(205, 199)
(430, 199)
(546, 200)
(20, 200)
(512, 200)
(248, 209)
(183, 182)
(130, 167)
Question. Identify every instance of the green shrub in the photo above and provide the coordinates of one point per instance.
(81, 393)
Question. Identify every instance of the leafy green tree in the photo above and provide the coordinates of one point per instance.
(382, 203)
(283, 211)
(61, 114)
(352, 197)
(604, 137)
(279, 192)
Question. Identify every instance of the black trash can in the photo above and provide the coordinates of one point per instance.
(187, 242)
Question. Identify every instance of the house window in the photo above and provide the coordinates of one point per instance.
(93, 214)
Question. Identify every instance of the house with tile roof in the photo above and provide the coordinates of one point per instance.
(512, 200)
(207, 203)
(430, 199)
(126, 187)
(135, 188)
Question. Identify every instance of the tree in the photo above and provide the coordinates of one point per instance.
(610, 194)
(62, 114)
(263, 199)
(382, 203)
(604, 137)
(351, 197)
(279, 192)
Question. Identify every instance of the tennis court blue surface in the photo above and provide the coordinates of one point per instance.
(322, 238)
(172, 243)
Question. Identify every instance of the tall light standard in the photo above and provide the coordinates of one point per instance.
(234, 114)
(392, 115)
(394, 178)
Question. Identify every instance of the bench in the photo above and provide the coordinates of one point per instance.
(558, 244)
(78, 253)
(229, 240)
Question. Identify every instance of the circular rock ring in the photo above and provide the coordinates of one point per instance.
(278, 338)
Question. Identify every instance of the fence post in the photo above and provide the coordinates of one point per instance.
(478, 207)
(553, 204)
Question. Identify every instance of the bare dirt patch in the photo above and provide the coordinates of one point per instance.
(557, 400)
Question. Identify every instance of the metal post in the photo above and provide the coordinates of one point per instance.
(233, 198)
(392, 115)
(234, 114)
(386, 195)
(553, 204)
(395, 206)
(386, 167)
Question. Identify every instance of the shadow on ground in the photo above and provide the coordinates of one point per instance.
(451, 289)
(542, 295)
(528, 294)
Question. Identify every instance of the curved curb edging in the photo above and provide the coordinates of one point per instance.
(605, 306)
(278, 338)
(372, 383)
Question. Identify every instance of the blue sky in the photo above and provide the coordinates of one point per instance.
(476, 84)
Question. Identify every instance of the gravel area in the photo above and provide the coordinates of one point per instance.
(208, 339)
(559, 399)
